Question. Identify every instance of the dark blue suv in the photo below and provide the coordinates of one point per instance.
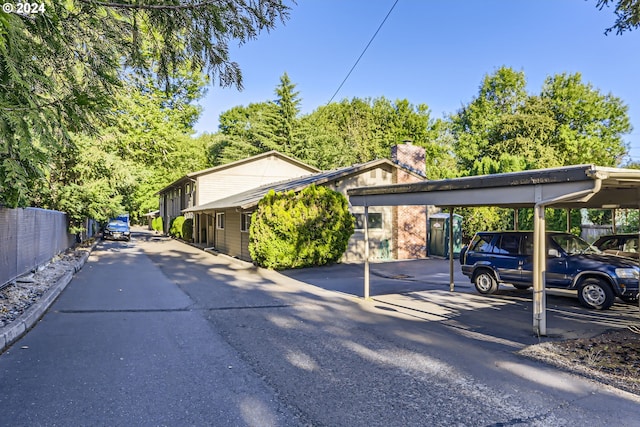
(495, 257)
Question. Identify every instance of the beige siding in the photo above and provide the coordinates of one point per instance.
(379, 239)
(245, 255)
(226, 182)
(228, 240)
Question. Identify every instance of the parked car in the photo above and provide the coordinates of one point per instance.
(117, 230)
(494, 258)
(619, 244)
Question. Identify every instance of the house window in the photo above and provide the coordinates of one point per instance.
(220, 221)
(375, 220)
(245, 221)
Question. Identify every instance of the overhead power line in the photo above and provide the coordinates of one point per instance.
(363, 52)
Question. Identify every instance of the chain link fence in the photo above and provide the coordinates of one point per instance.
(29, 238)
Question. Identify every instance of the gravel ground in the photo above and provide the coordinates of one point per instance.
(21, 294)
(612, 358)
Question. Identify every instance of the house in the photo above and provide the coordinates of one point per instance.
(199, 188)
(394, 232)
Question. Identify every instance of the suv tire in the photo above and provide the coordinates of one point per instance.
(485, 282)
(596, 293)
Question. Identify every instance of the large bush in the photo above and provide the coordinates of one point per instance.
(156, 224)
(292, 230)
(176, 227)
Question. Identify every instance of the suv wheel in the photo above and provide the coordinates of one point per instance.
(485, 282)
(595, 293)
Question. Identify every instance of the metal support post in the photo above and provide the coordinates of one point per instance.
(539, 267)
(366, 252)
(451, 284)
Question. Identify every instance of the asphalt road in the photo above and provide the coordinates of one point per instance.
(155, 332)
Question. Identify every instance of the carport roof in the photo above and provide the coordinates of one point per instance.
(580, 186)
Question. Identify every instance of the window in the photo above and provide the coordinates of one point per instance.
(245, 221)
(509, 245)
(375, 220)
(527, 244)
(220, 221)
(482, 243)
(610, 244)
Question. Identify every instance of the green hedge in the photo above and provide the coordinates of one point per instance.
(176, 227)
(181, 228)
(187, 229)
(293, 230)
(156, 224)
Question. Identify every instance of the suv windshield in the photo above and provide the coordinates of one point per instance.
(573, 245)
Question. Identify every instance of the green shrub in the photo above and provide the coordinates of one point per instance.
(293, 230)
(156, 224)
(187, 229)
(176, 227)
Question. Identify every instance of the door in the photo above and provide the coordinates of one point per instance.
(507, 257)
(556, 273)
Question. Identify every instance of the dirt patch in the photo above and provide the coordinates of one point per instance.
(612, 357)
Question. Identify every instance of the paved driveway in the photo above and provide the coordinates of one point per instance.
(155, 332)
(421, 288)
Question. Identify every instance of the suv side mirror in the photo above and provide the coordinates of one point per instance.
(553, 253)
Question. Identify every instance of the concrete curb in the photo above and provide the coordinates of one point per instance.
(18, 328)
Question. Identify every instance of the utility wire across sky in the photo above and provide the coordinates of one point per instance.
(363, 52)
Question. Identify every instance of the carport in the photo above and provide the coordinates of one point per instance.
(570, 187)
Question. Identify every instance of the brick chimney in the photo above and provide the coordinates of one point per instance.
(410, 222)
(410, 157)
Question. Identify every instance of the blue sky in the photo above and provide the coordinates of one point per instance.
(432, 52)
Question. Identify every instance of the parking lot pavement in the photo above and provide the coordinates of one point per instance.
(420, 289)
(390, 277)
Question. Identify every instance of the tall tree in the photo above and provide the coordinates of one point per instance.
(145, 144)
(570, 122)
(359, 130)
(476, 126)
(588, 124)
(59, 68)
(244, 131)
(286, 126)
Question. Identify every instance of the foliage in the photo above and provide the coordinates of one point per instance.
(504, 129)
(181, 228)
(260, 127)
(187, 229)
(627, 14)
(627, 220)
(145, 145)
(176, 229)
(59, 69)
(588, 125)
(483, 218)
(492, 218)
(335, 135)
(361, 130)
(293, 230)
(156, 224)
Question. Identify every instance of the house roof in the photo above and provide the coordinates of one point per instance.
(193, 175)
(579, 186)
(250, 198)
